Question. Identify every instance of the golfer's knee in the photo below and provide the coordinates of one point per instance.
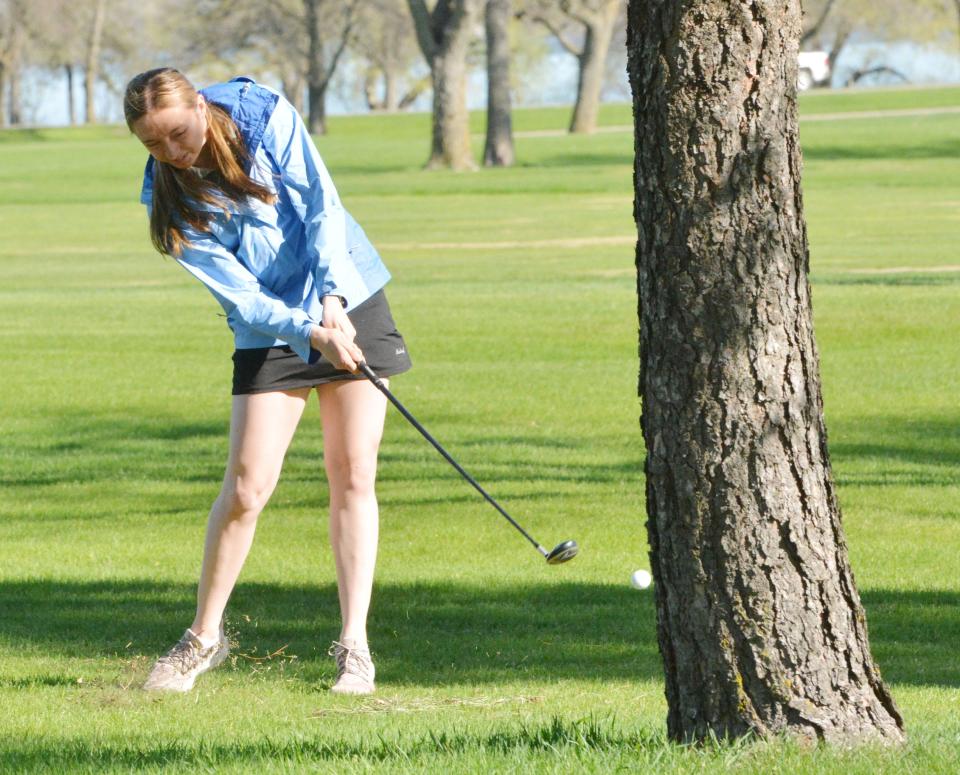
(245, 497)
(352, 475)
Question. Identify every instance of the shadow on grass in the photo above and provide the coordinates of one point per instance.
(921, 280)
(944, 149)
(84, 447)
(613, 158)
(434, 634)
(914, 635)
(423, 634)
(556, 738)
(897, 451)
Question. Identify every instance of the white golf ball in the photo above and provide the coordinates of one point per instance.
(640, 579)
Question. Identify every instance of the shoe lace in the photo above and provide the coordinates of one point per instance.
(351, 660)
(182, 656)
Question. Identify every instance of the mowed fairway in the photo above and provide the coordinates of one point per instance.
(515, 291)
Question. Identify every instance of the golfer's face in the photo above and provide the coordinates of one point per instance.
(174, 135)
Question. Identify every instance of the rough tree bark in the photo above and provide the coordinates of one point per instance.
(498, 149)
(93, 60)
(444, 36)
(759, 621)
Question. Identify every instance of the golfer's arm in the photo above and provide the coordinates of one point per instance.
(311, 192)
(242, 296)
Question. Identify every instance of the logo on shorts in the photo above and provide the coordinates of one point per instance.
(400, 351)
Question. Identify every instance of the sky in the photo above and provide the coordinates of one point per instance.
(552, 83)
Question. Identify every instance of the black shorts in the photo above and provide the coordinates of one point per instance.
(263, 369)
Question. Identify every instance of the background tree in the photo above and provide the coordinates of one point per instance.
(251, 37)
(829, 25)
(386, 42)
(92, 69)
(299, 41)
(498, 148)
(956, 10)
(324, 52)
(584, 28)
(444, 35)
(13, 19)
(759, 621)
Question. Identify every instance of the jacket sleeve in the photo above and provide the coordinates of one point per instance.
(242, 296)
(311, 192)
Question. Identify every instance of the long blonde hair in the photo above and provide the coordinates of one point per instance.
(172, 187)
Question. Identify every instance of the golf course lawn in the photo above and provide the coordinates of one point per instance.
(515, 291)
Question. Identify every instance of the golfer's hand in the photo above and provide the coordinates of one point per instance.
(335, 317)
(336, 347)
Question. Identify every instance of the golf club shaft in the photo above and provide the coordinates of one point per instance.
(369, 374)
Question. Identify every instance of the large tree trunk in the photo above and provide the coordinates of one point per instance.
(592, 66)
(444, 37)
(758, 618)
(498, 151)
(93, 61)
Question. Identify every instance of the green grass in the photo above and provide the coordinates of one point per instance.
(114, 413)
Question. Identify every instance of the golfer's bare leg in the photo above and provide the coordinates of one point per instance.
(261, 427)
(353, 413)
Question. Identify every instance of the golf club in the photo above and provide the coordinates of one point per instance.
(560, 553)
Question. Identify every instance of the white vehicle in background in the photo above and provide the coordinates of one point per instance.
(814, 69)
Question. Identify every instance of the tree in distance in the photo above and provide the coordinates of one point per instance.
(444, 34)
(759, 622)
(498, 148)
(570, 21)
(385, 40)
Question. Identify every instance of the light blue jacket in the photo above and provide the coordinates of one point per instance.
(270, 265)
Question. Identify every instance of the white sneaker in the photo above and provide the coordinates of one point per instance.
(177, 670)
(355, 669)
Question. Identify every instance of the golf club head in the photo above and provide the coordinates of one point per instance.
(563, 552)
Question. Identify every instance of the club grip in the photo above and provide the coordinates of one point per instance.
(370, 374)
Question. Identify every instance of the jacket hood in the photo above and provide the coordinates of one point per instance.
(249, 105)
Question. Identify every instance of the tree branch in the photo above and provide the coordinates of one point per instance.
(554, 29)
(812, 32)
(422, 24)
(579, 12)
(344, 42)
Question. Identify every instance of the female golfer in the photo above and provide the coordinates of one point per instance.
(238, 195)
